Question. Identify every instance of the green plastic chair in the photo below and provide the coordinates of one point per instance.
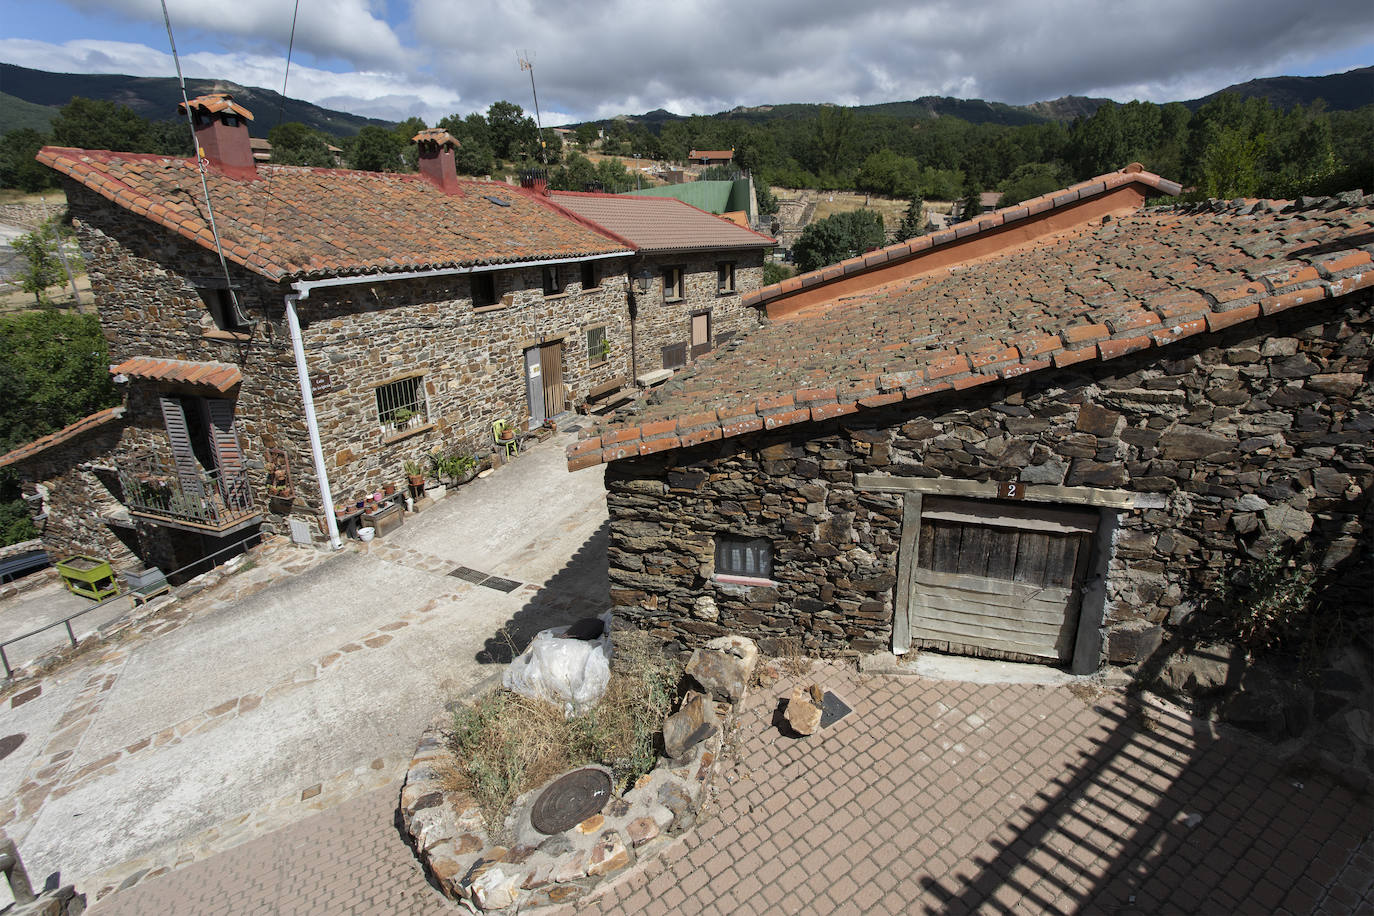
(512, 445)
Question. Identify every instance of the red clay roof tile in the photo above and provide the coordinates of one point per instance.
(295, 223)
(66, 434)
(1116, 288)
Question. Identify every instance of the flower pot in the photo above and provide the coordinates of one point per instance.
(507, 435)
(417, 481)
(389, 489)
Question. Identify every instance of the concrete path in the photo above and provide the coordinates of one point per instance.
(933, 796)
(301, 681)
(46, 604)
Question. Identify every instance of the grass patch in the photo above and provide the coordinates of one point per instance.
(507, 744)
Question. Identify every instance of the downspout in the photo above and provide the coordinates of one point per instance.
(312, 425)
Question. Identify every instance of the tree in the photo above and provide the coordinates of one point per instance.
(837, 237)
(295, 144)
(586, 135)
(377, 149)
(834, 128)
(98, 124)
(41, 268)
(512, 134)
(18, 168)
(1031, 180)
(767, 200)
(913, 222)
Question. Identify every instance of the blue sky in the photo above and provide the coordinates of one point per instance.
(599, 58)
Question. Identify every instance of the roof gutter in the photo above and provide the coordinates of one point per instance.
(304, 287)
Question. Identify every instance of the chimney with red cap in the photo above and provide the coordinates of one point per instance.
(221, 126)
(437, 164)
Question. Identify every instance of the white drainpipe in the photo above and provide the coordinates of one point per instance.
(303, 289)
(311, 424)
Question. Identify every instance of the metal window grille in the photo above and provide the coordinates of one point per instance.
(598, 348)
(751, 557)
(401, 405)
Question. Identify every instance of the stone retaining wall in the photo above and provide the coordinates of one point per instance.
(1259, 433)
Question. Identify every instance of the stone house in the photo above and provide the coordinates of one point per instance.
(1045, 436)
(354, 320)
(692, 270)
(710, 157)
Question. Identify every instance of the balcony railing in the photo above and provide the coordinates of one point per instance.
(196, 498)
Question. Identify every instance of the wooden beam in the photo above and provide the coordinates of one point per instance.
(907, 552)
(1040, 493)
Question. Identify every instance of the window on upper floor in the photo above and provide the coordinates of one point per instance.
(590, 279)
(725, 277)
(483, 290)
(673, 287)
(553, 280)
(225, 308)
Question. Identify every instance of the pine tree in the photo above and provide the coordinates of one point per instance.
(914, 222)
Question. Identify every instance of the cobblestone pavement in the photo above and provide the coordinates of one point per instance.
(932, 797)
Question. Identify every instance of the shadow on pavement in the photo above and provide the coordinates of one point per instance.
(580, 589)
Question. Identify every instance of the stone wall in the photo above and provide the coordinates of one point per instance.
(1257, 434)
(661, 323)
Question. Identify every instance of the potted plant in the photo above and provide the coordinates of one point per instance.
(401, 417)
(415, 475)
(507, 434)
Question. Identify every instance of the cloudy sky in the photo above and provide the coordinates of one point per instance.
(598, 58)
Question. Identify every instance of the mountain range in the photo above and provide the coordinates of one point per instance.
(31, 98)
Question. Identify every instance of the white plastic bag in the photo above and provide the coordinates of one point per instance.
(570, 673)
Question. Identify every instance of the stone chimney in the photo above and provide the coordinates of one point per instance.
(536, 180)
(436, 158)
(222, 134)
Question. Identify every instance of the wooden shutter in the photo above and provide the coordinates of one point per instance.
(701, 334)
(228, 453)
(188, 469)
(551, 367)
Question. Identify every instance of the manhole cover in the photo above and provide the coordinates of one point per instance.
(10, 743)
(570, 800)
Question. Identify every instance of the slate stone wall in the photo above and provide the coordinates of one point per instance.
(1258, 434)
(660, 324)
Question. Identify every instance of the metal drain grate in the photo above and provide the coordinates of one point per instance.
(470, 575)
(501, 585)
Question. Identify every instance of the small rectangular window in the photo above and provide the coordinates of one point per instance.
(401, 405)
(598, 347)
(553, 282)
(672, 284)
(725, 277)
(483, 290)
(589, 277)
(749, 558)
(221, 304)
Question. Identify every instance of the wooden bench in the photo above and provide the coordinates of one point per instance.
(146, 585)
(611, 394)
(22, 564)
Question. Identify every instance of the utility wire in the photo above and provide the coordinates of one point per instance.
(201, 165)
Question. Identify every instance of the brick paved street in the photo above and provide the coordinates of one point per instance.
(933, 797)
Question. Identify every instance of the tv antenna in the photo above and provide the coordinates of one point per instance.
(527, 63)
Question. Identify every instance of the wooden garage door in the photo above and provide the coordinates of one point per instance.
(998, 580)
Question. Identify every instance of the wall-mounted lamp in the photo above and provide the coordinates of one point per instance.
(642, 278)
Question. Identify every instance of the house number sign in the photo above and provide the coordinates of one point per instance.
(1011, 490)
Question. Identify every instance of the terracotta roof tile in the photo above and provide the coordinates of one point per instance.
(65, 434)
(220, 376)
(1142, 281)
(297, 223)
(659, 224)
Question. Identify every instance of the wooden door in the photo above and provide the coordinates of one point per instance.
(551, 368)
(997, 580)
(701, 334)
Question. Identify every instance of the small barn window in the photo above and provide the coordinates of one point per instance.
(553, 281)
(744, 558)
(227, 314)
(725, 277)
(483, 290)
(589, 277)
(673, 288)
(598, 347)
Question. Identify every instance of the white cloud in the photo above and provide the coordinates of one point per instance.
(377, 94)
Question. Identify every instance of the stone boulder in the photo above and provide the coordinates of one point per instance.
(695, 721)
(724, 666)
(803, 713)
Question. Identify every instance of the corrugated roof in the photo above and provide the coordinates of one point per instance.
(222, 377)
(65, 434)
(657, 224)
(297, 223)
(1095, 293)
